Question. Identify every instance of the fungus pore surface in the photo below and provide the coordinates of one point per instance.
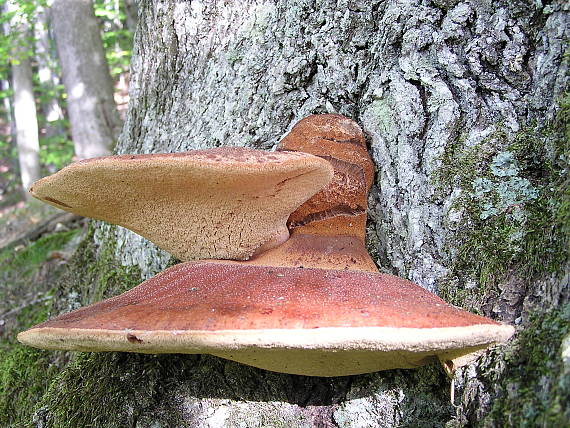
(218, 203)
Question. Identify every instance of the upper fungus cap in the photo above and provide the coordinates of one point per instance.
(302, 321)
(219, 203)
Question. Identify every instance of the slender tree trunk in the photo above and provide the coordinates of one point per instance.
(25, 116)
(47, 76)
(456, 98)
(95, 122)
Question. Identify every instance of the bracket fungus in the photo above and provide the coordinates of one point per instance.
(216, 203)
(313, 305)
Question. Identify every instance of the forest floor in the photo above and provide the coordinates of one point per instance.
(34, 251)
(18, 219)
(33, 236)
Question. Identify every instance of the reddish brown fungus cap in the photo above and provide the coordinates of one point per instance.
(217, 203)
(309, 250)
(340, 208)
(302, 321)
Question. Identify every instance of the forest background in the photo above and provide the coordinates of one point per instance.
(36, 140)
(466, 109)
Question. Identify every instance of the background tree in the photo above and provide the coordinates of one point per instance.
(55, 145)
(50, 97)
(464, 105)
(95, 122)
(24, 105)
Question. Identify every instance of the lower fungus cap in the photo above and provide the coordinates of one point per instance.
(293, 320)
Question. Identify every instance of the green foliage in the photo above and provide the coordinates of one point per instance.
(117, 39)
(9, 182)
(56, 152)
(17, 16)
(514, 206)
(15, 43)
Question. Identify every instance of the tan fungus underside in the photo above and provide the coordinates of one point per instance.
(218, 203)
(313, 352)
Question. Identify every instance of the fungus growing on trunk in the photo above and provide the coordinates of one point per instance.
(318, 322)
(223, 203)
(314, 305)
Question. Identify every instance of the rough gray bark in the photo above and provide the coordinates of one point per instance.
(420, 77)
(95, 122)
(25, 113)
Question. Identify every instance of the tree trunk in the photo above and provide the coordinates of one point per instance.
(25, 115)
(458, 100)
(48, 78)
(95, 122)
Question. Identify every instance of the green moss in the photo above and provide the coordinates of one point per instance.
(402, 398)
(110, 389)
(514, 207)
(25, 372)
(535, 385)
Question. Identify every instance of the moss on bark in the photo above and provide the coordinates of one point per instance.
(535, 383)
(513, 211)
(509, 255)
